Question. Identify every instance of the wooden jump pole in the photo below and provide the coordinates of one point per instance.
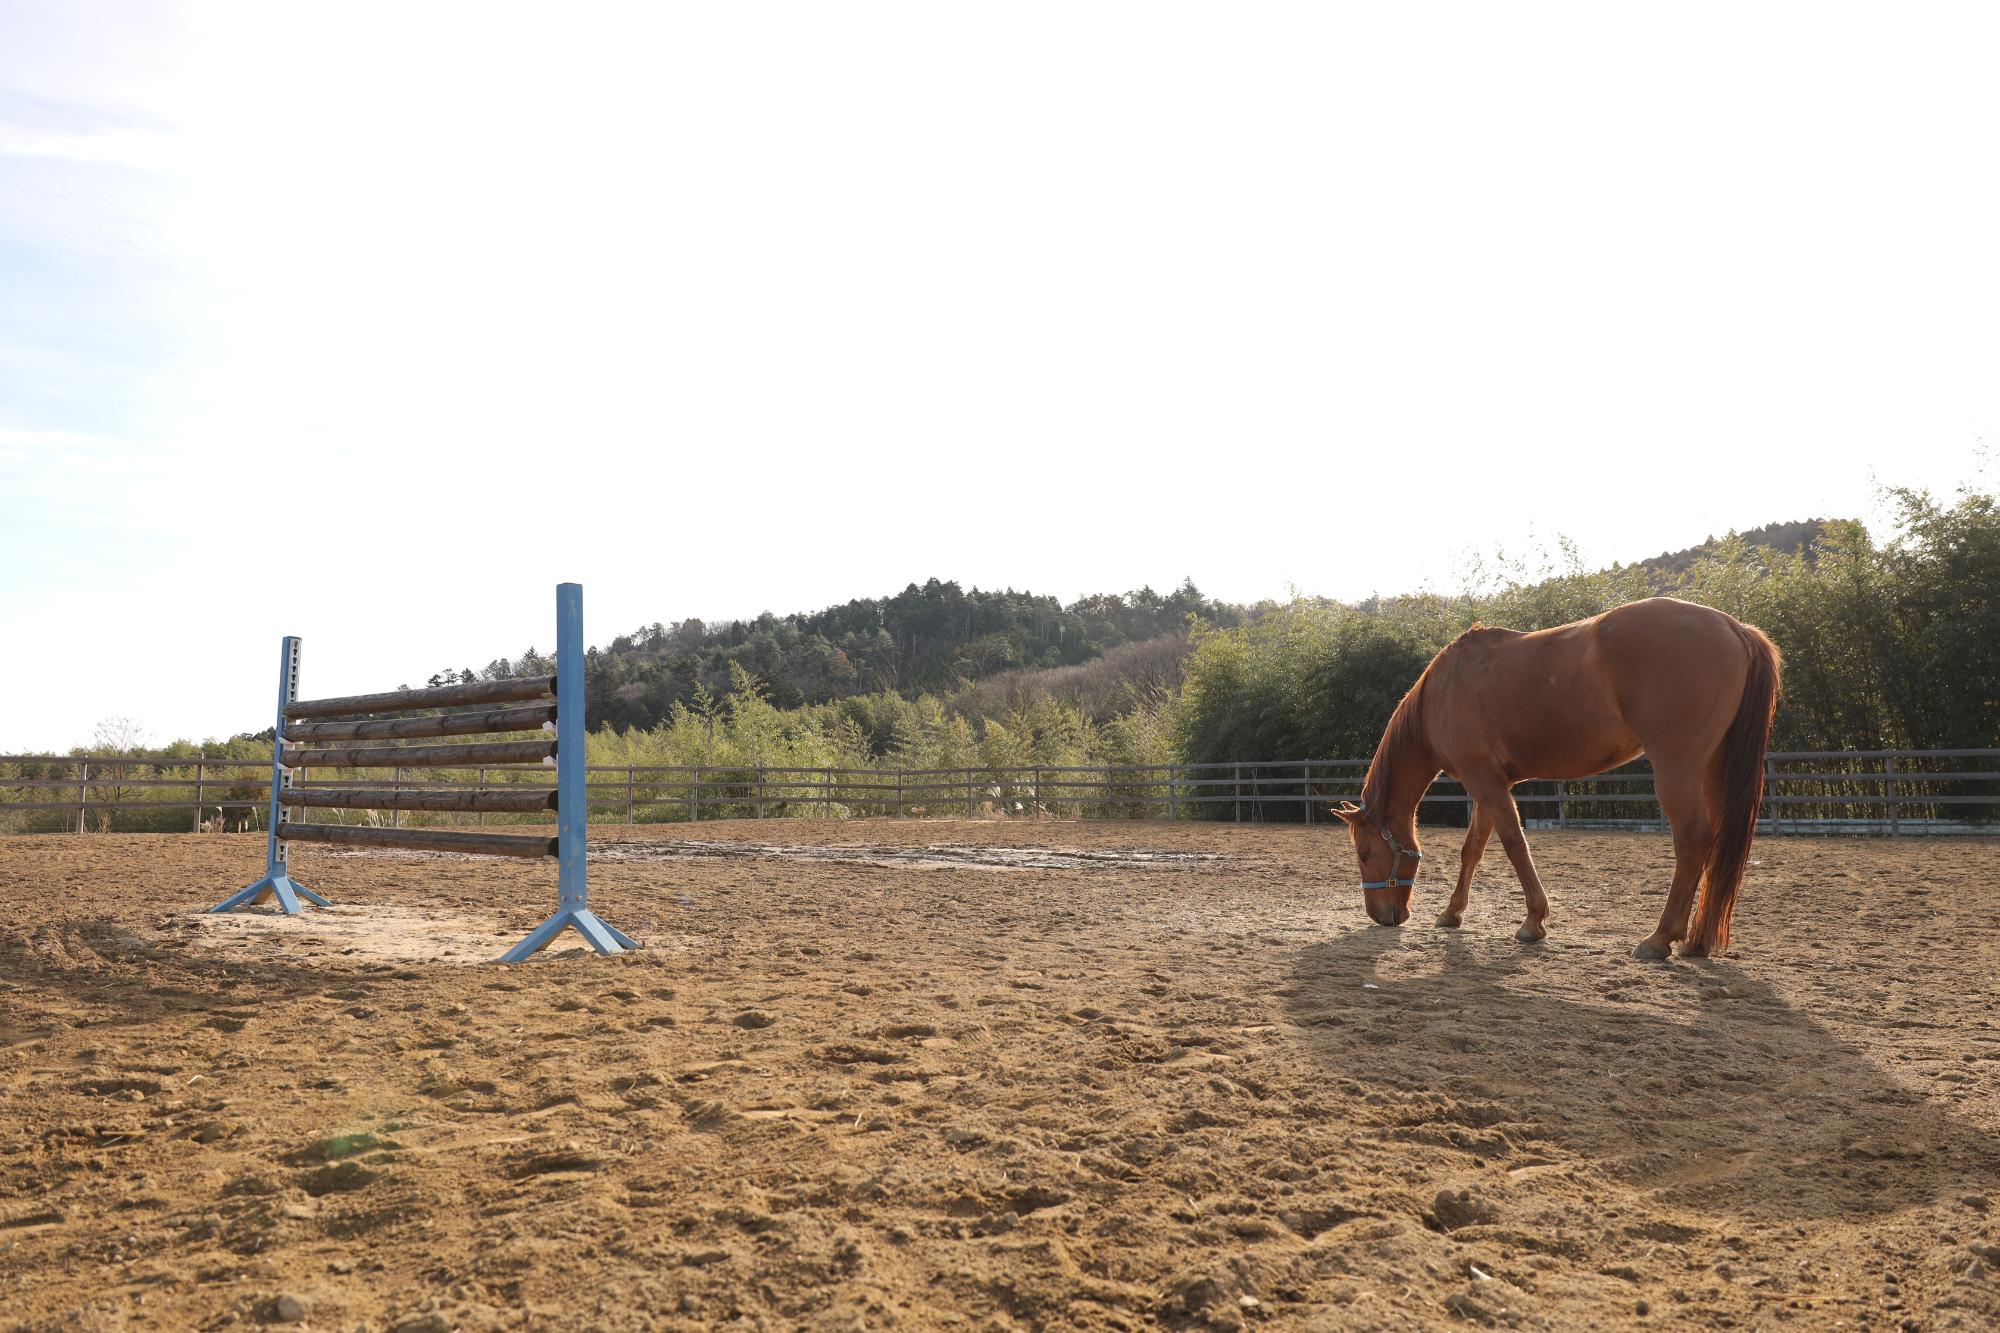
(422, 756)
(441, 696)
(423, 839)
(496, 801)
(540, 718)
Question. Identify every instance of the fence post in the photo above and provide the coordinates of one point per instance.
(482, 787)
(826, 798)
(1771, 792)
(1037, 802)
(82, 791)
(197, 796)
(694, 797)
(396, 816)
(1562, 804)
(628, 794)
(1173, 792)
(760, 791)
(1892, 791)
(899, 793)
(1305, 788)
(1239, 793)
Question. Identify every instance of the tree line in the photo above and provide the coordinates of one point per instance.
(1890, 643)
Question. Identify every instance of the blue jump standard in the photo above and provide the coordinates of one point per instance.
(603, 936)
(276, 882)
(572, 823)
(286, 890)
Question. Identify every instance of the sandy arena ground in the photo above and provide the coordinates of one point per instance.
(883, 1074)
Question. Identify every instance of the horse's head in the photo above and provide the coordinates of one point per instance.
(1388, 868)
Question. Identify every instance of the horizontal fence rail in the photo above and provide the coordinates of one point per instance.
(1886, 791)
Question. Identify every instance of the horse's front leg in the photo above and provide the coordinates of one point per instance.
(1496, 799)
(1476, 835)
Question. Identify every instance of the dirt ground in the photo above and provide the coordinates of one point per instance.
(995, 1075)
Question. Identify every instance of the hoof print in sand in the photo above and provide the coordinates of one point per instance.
(1453, 1209)
(567, 1160)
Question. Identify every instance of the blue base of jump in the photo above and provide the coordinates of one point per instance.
(287, 891)
(603, 936)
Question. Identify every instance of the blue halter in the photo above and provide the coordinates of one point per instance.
(1395, 864)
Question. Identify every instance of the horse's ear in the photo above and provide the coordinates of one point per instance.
(1349, 811)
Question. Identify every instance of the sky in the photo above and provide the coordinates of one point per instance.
(370, 323)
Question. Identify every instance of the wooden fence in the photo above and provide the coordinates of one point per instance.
(1888, 791)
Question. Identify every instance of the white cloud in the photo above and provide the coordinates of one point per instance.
(60, 476)
(144, 150)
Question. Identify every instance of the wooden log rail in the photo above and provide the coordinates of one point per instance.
(442, 696)
(414, 728)
(476, 722)
(421, 840)
(490, 801)
(423, 756)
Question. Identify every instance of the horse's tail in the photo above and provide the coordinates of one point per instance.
(1743, 752)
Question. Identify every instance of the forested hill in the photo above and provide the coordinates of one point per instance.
(936, 638)
(933, 638)
(1784, 538)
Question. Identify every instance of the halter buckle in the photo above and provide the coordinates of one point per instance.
(1398, 853)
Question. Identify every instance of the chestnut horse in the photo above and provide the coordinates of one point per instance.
(1690, 687)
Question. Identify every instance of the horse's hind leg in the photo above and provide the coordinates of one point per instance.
(1468, 861)
(1679, 788)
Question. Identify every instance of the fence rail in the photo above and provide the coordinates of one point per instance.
(1890, 791)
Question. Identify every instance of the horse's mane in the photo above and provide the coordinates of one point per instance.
(1405, 729)
(1406, 725)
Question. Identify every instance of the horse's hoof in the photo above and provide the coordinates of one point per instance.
(1650, 952)
(1692, 950)
(1446, 921)
(1530, 932)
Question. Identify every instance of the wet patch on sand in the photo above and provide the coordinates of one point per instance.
(949, 856)
(932, 856)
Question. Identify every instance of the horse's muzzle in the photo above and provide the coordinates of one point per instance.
(1389, 914)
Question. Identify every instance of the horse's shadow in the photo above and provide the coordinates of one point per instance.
(1696, 1082)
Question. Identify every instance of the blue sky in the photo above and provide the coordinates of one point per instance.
(370, 330)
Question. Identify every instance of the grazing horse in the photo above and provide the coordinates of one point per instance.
(1690, 687)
